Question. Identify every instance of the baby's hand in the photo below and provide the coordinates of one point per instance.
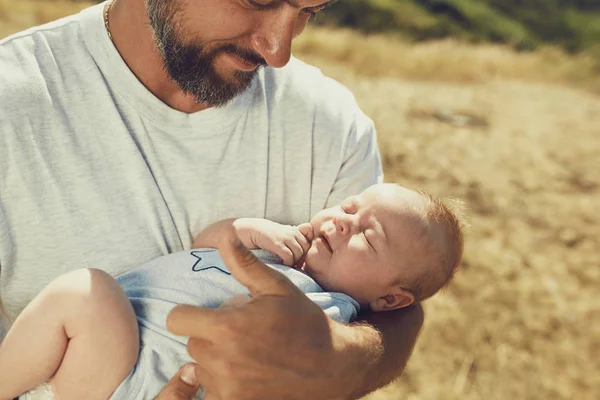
(307, 230)
(286, 241)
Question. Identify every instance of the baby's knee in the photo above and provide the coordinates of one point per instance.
(114, 311)
(81, 282)
(86, 287)
(111, 306)
(106, 301)
(94, 298)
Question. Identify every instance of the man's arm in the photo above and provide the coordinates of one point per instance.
(280, 345)
(390, 337)
(382, 342)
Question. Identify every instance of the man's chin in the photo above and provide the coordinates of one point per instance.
(242, 79)
(214, 94)
(209, 85)
(236, 84)
(233, 85)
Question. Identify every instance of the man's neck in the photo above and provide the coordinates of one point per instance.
(133, 38)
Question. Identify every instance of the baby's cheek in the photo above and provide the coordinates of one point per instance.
(311, 253)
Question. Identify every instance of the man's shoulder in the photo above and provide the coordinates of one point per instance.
(299, 80)
(18, 78)
(26, 60)
(22, 47)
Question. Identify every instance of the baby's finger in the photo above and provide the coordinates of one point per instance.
(279, 249)
(300, 263)
(307, 230)
(303, 241)
(286, 254)
(296, 249)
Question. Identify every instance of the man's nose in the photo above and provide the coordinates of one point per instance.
(273, 39)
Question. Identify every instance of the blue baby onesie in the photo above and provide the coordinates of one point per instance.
(197, 277)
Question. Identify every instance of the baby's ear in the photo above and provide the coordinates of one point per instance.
(400, 298)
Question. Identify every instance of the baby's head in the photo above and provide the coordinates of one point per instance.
(387, 247)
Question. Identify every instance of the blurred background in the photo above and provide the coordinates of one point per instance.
(497, 103)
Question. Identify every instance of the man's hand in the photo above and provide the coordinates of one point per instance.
(183, 386)
(278, 345)
(288, 242)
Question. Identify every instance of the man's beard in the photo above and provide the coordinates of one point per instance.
(190, 65)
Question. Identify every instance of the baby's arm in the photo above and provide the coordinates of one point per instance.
(80, 333)
(209, 237)
(286, 241)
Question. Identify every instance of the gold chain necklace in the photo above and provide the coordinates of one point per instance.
(106, 20)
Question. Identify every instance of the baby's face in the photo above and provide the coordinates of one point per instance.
(364, 245)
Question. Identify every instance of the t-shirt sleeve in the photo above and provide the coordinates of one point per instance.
(3, 328)
(345, 158)
(361, 166)
(337, 306)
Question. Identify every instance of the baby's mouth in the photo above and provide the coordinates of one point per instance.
(326, 242)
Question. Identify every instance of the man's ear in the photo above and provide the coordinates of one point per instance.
(399, 298)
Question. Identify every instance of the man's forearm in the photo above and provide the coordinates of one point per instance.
(388, 338)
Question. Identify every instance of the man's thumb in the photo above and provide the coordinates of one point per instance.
(183, 386)
(249, 270)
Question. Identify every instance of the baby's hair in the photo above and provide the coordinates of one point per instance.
(446, 223)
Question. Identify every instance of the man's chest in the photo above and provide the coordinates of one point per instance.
(114, 201)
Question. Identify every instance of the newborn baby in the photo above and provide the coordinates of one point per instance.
(383, 249)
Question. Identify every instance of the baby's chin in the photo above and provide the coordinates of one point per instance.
(311, 256)
(311, 268)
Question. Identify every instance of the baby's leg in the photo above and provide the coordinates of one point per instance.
(80, 332)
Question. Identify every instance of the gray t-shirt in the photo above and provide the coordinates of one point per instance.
(95, 171)
(198, 277)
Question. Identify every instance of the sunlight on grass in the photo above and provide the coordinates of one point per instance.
(447, 60)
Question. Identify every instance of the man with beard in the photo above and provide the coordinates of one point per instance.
(126, 129)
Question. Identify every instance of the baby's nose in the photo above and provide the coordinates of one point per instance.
(342, 225)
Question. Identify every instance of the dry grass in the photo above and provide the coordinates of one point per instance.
(16, 15)
(517, 139)
(521, 320)
(447, 60)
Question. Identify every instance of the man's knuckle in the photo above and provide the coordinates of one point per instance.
(228, 331)
(226, 369)
(193, 348)
(281, 280)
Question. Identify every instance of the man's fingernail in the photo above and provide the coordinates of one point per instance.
(188, 375)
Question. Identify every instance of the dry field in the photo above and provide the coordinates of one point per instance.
(517, 137)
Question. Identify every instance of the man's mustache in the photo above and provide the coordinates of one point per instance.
(251, 57)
